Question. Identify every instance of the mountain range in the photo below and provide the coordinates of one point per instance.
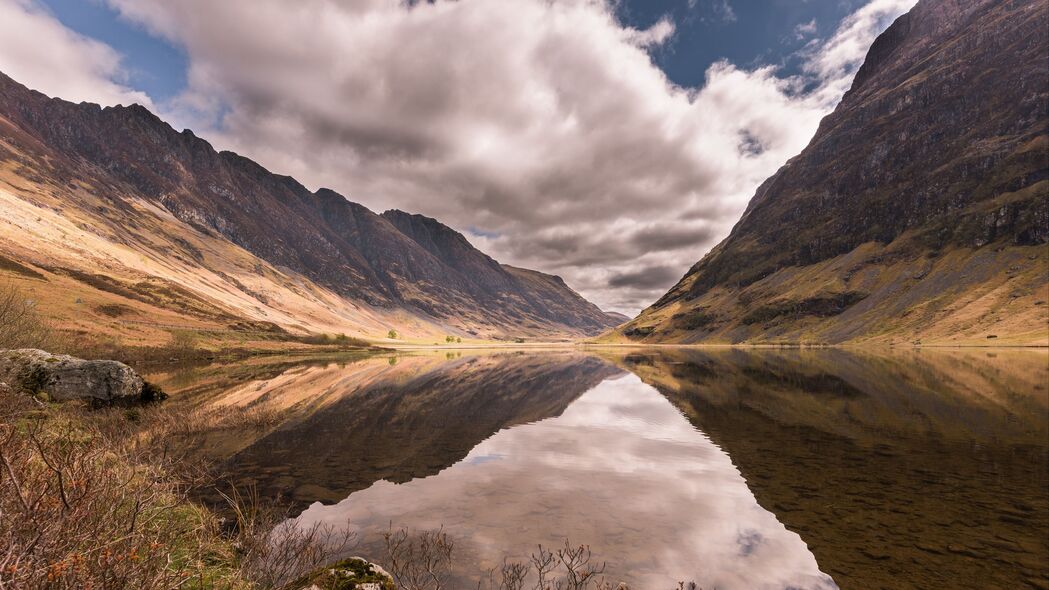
(122, 225)
(918, 213)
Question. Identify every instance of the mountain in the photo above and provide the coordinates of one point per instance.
(116, 211)
(918, 212)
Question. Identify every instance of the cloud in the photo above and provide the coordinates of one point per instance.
(725, 11)
(805, 30)
(40, 52)
(653, 277)
(543, 126)
(716, 10)
(655, 35)
(836, 60)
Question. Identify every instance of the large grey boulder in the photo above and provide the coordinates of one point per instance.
(63, 377)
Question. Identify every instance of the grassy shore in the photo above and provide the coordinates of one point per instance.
(103, 499)
(93, 503)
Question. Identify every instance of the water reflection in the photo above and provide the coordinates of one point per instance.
(622, 469)
(736, 468)
(343, 426)
(900, 470)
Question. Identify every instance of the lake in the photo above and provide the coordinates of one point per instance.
(736, 468)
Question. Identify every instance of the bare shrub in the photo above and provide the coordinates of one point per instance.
(571, 567)
(513, 575)
(579, 571)
(21, 325)
(418, 561)
(274, 549)
(77, 510)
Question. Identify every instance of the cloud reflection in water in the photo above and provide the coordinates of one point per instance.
(620, 469)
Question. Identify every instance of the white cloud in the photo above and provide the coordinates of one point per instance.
(545, 124)
(38, 51)
(655, 35)
(836, 60)
(805, 30)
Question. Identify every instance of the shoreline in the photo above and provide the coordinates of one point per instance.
(570, 345)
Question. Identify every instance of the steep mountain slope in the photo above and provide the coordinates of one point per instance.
(917, 212)
(114, 197)
(500, 286)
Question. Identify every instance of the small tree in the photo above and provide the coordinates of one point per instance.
(458, 340)
(184, 341)
(21, 325)
(392, 334)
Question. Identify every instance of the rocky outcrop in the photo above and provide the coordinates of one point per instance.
(64, 378)
(919, 209)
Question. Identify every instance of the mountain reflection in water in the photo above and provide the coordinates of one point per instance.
(736, 468)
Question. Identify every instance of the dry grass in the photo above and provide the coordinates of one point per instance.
(101, 499)
(82, 510)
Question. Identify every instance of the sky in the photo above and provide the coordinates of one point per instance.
(611, 142)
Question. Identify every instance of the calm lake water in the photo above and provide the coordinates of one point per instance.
(739, 469)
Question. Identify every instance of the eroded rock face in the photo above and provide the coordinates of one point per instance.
(63, 377)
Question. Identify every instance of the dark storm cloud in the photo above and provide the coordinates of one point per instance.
(652, 278)
(671, 237)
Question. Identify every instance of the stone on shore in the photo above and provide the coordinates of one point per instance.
(62, 378)
(354, 573)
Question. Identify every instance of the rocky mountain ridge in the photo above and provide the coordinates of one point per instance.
(122, 174)
(917, 213)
